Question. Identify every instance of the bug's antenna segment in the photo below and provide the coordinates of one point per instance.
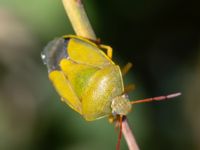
(158, 98)
(173, 95)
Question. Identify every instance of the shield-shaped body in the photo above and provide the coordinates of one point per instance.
(84, 76)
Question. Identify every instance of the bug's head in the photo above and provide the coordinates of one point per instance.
(121, 105)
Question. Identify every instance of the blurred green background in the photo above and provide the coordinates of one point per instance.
(160, 37)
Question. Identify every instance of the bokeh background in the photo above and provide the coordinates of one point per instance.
(160, 37)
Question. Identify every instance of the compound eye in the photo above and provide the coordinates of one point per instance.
(54, 52)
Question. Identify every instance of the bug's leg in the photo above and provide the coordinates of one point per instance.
(111, 119)
(108, 50)
(128, 88)
(126, 68)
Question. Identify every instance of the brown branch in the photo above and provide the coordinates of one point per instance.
(82, 27)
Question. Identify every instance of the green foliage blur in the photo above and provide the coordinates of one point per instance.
(161, 38)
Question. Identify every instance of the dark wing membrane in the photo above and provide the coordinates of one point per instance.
(54, 52)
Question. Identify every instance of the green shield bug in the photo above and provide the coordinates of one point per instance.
(87, 79)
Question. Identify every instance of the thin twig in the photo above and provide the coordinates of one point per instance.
(78, 18)
(82, 27)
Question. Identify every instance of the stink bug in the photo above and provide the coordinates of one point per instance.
(87, 79)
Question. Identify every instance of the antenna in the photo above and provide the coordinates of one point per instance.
(158, 98)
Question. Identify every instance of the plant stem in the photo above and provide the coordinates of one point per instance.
(78, 18)
(128, 135)
(82, 27)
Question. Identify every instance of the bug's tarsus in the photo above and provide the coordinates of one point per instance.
(128, 88)
(109, 50)
(126, 68)
(158, 98)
